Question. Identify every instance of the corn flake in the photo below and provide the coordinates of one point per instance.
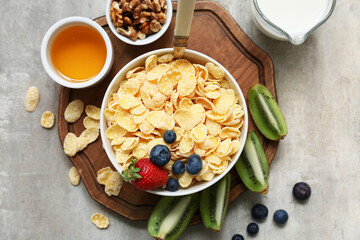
(160, 120)
(74, 176)
(89, 122)
(93, 112)
(73, 111)
(100, 220)
(165, 58)
(31, 99)
(47, 119)
(70, 144)
(125, 121)
(115, 131)
(91, 134)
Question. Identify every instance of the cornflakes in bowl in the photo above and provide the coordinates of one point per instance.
(194, 96)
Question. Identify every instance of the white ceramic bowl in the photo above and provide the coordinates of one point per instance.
(149, 38)
(194, 57)
(51, 34)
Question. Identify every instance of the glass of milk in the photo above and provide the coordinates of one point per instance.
(291, 20)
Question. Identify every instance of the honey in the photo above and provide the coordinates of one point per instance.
(78, 53)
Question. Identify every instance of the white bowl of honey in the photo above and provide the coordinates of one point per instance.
(76, 52)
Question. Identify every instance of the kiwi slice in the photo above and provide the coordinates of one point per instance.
(171, 215)
(252, 166)
(266, 113)
(213, 203)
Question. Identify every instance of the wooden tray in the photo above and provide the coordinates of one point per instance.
(215, 33)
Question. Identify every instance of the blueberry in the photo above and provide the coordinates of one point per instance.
(172, 185)
(237, 237)
(169, 136)
(194, 164)
(259, 211)
(301, 191)
(160, 155)
(252, 228)
(178, 167)
(281, 216)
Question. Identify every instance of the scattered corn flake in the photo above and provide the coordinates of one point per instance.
(47, 119)
(93, 112)
(91, 134)
(89, 122)
(100, 220)
(113, 184)
(82, 143)
(31, 99)
(70, 144)
(73, 111)
(74, 176)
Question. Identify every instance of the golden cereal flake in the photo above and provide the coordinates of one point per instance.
(91, 123)
(70, 144)
(91, 134)
(100, 220)
(93, 112)
(73, 111)
(74, 176)
(32, 99)
(47, 119)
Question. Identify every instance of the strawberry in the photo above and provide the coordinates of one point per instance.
(145, 175)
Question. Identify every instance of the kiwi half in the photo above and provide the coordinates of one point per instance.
(266, 113)
(171, 216)
(252, 166)
(213, 203)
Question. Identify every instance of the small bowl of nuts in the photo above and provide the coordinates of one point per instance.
(138, 22)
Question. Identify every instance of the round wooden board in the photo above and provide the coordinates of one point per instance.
(215, 33)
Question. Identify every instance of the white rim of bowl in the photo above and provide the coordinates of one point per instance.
(45, 55)
(150, 38)
(181, 192)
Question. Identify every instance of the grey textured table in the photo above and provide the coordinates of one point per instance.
(317, 86)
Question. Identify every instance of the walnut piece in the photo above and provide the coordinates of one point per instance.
(138, 18)
(130, 33)
(155, 26)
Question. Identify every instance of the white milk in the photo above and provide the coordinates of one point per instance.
(294, 16)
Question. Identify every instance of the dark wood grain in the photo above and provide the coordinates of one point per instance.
(215, 33)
